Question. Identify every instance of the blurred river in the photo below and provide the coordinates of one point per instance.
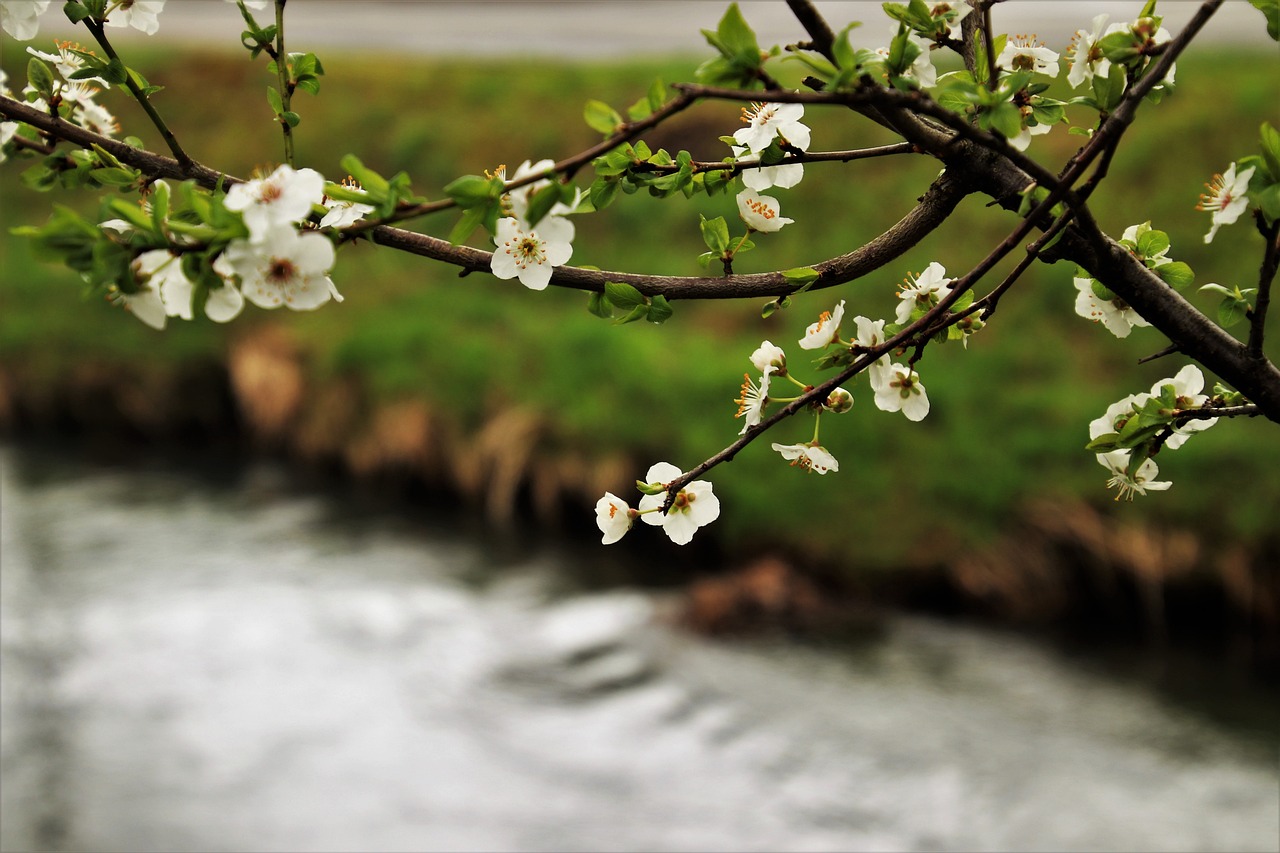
(216, 661)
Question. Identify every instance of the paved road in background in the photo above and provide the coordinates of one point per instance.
(594, 29)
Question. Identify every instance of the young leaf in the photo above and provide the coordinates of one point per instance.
(715, 233)
(601, 117)
(623, 295)
(659, 309)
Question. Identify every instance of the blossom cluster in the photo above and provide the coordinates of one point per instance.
(694, 506)
(530, 250)
(1143, 423)
(274, 265)
(74, 99)
(21, 18)
(776, 129)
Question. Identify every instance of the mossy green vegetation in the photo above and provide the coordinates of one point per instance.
(1009, 414)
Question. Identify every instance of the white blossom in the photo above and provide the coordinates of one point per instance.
(1086, 57)
(809, 457)
(613, 517)
(902, 391)
(694, 506)
(1227, 198)
(67, 62)
(769, 358)
(752, 402)
(530, 253)
(282, 198)
(1187, 384)
(284, 268)
(767, 121)
(144, 302)
(94, 117)
(1116, 314)
(761, 212)
(1026, 53)
(870, 333)
(139, 14)
(344, 213)
(1128, 483)
(21, 18)
(761, 178)
(924, 291)
(823, 332)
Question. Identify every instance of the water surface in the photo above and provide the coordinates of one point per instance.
(223, 663)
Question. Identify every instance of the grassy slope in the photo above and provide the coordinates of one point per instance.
(1009, 415)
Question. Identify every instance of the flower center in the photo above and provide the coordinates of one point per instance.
(1218, 197)
(281, 271)
(757, 114)
(762, 209)
(270, 192)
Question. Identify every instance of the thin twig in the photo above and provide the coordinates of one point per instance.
(184, 160)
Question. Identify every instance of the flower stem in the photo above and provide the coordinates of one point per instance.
(282, 74)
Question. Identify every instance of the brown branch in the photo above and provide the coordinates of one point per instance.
(1266, 276)
(934, 208)
(821, 36)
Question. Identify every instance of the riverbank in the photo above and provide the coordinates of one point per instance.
(1060, 568)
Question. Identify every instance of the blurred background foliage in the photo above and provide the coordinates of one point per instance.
(1009, 414)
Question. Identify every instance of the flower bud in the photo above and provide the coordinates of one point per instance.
(838, 401)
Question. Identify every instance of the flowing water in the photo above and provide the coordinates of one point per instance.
(196, 662)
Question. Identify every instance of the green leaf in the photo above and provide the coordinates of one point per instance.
(601, 117)
(715, 233)
(1232, 311)
(1269, 201)
(1103, 443)
(291, 118)
(659, 309)
(1152, 243)
(114, 177)
(40, 77)
(1271, 10)
(657, 95)
(1005, 119)
(637, 313)
(598, 304)
(602, 192)
(467, 191)
(736, 35)
(373, 183)
(801, 275)
(471, 219)
(274, 100)
(1175, 274)
(75, 12)
(542, 202)
(159, 204)
(739, 58)
(310, 85)
(1270, 140)
(623, 295)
